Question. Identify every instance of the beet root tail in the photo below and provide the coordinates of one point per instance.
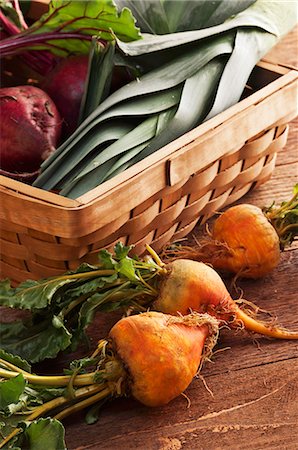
(251, 324)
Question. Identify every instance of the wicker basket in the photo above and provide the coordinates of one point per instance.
(161, 198)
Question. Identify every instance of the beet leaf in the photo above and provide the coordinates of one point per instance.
(62, 307)
(68, 27)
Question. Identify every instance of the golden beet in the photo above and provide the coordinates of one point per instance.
(151, 356)
(161, 353)
(194, 286)
(245, 240)
(191, 286)
(252, 242)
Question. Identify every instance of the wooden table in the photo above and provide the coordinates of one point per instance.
(254, 381)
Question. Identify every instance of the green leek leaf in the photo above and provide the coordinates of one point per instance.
(160, 79)
(167, 77)
(90, 147)
(101, 63)
(78, 186)
(199, 92)
(247, 52)
(76, 156)
(171, 16)
(141, 133)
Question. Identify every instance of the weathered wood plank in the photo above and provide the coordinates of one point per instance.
(285, 52)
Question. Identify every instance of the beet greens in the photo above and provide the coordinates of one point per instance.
(72, 36)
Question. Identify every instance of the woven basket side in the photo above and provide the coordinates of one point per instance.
(166, 216)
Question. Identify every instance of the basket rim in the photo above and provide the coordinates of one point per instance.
(288, 75)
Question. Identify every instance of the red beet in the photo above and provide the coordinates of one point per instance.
(65, 85)
(30, 128)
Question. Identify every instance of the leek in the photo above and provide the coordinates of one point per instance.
(196, 70)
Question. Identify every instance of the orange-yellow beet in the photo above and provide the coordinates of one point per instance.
(253, 242)
(194, 286)
(161, 353)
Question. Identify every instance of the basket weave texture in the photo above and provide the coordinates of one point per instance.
(159, 200)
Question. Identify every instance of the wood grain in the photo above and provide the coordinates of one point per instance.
(237, 410)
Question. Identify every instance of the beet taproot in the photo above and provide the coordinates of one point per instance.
(30, 129)
(161, 353)
(194, 286)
